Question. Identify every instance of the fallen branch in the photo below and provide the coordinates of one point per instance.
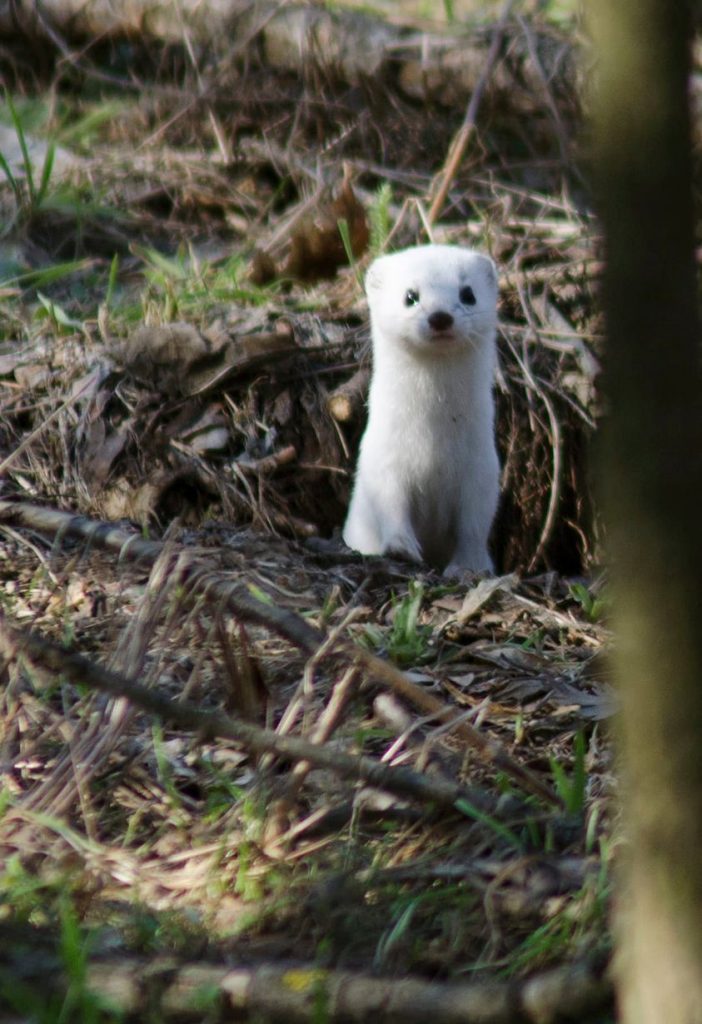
(209, 725)
(131, 547)
(346, 401)
(200, 579)
(294, 994)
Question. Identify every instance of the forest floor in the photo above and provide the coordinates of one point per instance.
(246, 773)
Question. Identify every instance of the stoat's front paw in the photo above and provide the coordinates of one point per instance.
(403, 545)
(466, 571)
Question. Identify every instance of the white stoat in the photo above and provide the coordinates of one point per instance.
(427, 480)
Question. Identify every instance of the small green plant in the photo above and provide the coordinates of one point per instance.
(343, 226)
(82, 131)
(31, 176)
(6, 800)
(41, 904)
(25, 894)
(572, 789)
(112, 282)
(222, 793)
(473, 812)
(380, 219)
(561, 12)
(247, 885)
(147, 931)
(396, 933)
(320, 1007)
(61, 322)
(80, 1003)
(170, 279)
(579, 927)
(406, 914)
(545, 944)
(407, 641)
(534, 641)
(29, 201)
(185, 283)
(594, 607)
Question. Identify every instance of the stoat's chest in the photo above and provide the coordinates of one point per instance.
(426, 410)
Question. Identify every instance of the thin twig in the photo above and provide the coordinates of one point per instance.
(442, 182)
(555, 438)
(327, 722)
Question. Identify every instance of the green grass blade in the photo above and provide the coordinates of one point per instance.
(379, 219)
(172, 267)
(572, 789)
(21, 138)
(580, 771)
(471, 811)
(46, 172)
(112, 280)
(7, 171)
(57, 313)
(343, 226)
(44, 276)
(82, 132)
(391, 938)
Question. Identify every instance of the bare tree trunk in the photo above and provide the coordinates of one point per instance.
(652, 461)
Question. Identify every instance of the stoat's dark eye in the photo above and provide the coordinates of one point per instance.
(467, 295)
(411, 297)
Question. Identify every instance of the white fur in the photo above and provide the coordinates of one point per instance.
(427, 480)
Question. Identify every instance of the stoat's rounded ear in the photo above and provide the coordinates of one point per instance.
(374, 275)
(488, 268)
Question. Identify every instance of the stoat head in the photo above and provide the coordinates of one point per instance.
(433, 299)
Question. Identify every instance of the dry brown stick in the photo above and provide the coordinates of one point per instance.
(346, 401)
(293, 993)
(442, 182)
(556, 440)
(403, 782)
(238, 599)
(303, 692)
(278, 830)
(324, 727)
(561, 132)
(269, 463)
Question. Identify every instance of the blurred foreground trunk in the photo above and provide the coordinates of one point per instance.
(652, 482)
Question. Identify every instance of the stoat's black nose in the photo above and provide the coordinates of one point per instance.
(440, 321)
